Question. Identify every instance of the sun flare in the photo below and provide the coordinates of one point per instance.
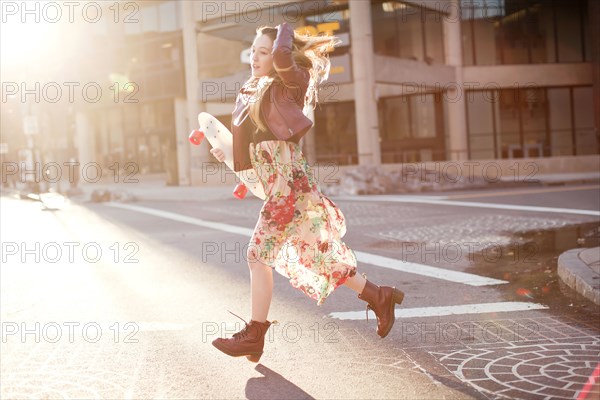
(22, 44)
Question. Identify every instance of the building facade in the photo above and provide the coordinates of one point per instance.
(412, 81)
(420, 81)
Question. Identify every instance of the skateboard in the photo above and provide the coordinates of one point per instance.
(219, 136)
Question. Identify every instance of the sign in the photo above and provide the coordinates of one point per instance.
(3, 148)
(340, 71)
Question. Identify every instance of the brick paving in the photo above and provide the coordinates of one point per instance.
(553, 361)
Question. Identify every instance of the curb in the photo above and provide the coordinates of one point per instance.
(579, 276)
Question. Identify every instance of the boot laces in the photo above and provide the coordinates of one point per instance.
(367, 311)
(244, 332)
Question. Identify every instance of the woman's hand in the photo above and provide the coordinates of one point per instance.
(218, 153)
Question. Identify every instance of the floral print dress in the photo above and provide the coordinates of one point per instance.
(299, 229)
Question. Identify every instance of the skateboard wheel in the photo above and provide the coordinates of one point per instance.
(196, 137)
(240, 191)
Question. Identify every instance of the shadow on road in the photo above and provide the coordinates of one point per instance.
(273, 386)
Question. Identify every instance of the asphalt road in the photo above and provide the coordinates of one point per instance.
(123, 300)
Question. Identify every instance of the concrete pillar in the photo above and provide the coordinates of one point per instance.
(367, 121)
(190, 58)
(457, 148)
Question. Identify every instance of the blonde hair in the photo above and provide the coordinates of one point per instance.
(309, 52)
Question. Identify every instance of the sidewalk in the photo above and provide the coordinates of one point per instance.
(580, 270)
(568, 178)
(153, 187)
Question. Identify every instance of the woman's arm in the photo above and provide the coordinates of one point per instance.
(283, 62)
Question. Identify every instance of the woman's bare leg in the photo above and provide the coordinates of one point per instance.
(356, 283)
(261, 277)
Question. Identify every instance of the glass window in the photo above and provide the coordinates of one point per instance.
(569, 31)
(385, 31)
(513, 40)
(131, 118)
(586, 140)
(508, 123)
(533, 120)
(148, 116)
(336, 137)
(149, 19)
(412, 128)
(467, 42)
(403, 30)
(524, 31)
(587, 42)
(434, 36)
(115, 136)
(481, 21)
(133, 28)
(395, 119)
(538, 28)
(165, 116)
(168, 14)
(485, 34)
(559, 118)
(423, 119)
(409, 34)
(480, 120)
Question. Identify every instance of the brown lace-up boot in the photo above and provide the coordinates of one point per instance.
(382, 300)
(248, 342)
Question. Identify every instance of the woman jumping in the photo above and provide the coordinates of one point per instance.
(299, 229)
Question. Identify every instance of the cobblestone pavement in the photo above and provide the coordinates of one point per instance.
(554, 361)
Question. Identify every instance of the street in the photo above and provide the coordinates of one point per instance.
(123, 300)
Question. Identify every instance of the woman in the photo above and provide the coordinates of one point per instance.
(299, 230)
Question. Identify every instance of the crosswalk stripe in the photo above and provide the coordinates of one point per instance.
(373, 259)
(447, 310)
(426, 270)
(441, 201)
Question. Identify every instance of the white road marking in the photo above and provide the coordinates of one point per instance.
(442, 201)
(448, 310)
(183, 218)
(426, 270)
(520, 192)
(373, 259)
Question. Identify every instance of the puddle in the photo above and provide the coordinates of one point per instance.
(530, 265)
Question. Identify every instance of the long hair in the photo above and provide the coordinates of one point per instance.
(309, 52)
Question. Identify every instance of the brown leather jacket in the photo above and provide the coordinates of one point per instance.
(282, 104)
